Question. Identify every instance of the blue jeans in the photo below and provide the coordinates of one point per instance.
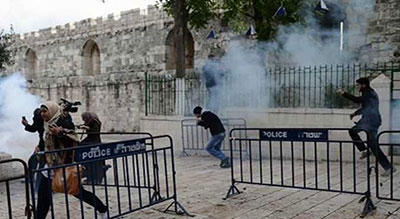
(214, 146)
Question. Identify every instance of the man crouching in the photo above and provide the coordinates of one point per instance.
(207, 119)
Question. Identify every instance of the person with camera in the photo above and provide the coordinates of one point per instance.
(59, 134)
(92, 126)
(37, 126)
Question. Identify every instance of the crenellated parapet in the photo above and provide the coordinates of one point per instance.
(135, 18)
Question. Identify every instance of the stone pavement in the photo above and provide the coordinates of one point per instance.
(202, 185)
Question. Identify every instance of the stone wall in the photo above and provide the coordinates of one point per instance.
(383, 34)
(55, 60)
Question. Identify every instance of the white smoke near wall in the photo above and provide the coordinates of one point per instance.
(15, 102)
(309, 43)
(246, 81)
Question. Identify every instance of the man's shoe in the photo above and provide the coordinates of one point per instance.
(364, 155)
(387, 172)
(226, 163)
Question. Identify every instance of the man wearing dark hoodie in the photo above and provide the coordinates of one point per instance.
(370, 122)
(209, 120)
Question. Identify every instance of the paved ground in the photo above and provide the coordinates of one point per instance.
(202, 185)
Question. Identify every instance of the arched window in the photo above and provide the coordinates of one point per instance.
(31, 63)
(170, 54)
(91, 58)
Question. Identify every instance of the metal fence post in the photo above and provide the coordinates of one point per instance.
(146, 95)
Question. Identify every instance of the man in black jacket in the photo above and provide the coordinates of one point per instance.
(370, 122)
(37, 126)
(211, 121)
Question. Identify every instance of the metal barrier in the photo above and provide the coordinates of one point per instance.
(272, 154)
(388, 188)
(7, 181)
(149, 178)
(195, 138)
(139, 134)
(108, 134)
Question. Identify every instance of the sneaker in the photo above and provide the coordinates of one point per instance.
(226, 163)
(387, 172)
(364, 155)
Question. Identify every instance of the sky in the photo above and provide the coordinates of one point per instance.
(31, 15)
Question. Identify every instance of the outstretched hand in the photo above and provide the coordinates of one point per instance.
(340, 92)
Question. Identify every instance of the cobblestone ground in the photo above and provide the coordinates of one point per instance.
(202, 186)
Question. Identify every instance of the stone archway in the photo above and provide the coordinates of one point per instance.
(31, 63)
(170, 53)
(91, 58)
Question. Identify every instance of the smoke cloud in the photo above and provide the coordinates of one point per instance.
(15, 102)
(311, 43)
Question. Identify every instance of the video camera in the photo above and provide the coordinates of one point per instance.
(69, 106)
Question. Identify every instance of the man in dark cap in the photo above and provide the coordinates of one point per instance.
(211, 121)
(370, 122)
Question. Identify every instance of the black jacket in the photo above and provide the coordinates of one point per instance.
(37, 126)
(369, 107)
(94, 127)
(211, 121)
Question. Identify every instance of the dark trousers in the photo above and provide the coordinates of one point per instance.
(372, 143)
(33, 164)
(44, 199)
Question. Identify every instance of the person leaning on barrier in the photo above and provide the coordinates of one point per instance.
(37, 126)
(211, 121)
(59, 134)
(370, 122)
(92, 125)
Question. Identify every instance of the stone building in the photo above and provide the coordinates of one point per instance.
(102, 61)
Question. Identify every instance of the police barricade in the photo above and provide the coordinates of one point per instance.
(195, 138)
(312, 159)
(388, 188)
(100, 167)
(8, 179)
(150, 178)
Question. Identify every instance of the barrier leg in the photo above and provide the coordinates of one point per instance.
(368, 206)
(232, 191)
(179, 209)
(184, 154)
(156, 195)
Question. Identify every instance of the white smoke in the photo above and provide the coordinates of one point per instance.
(309, 43)
(246, 80)
(15, 102)
(299, 44)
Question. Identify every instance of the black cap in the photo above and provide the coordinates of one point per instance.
(364, 81)
(197, 110)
